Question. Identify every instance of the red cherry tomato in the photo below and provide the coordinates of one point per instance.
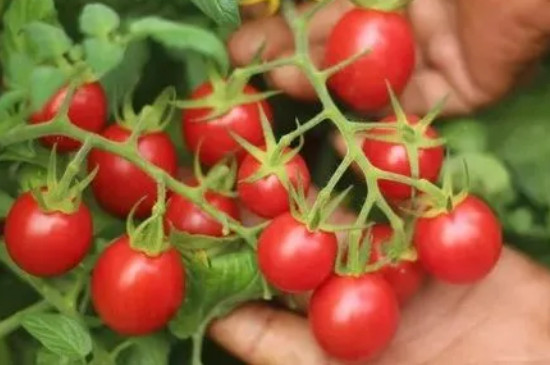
(135, 294)
(292, 258)
(389, 37)
(253, 194)
(46, 243)
(461, 246)
(212, 135)
(393, 157)
(119, 184)
(185, 216)
(405, 277)
(354, 318)
(88, 110)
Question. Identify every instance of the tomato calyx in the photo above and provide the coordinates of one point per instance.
(149, 237)
(220, 178)
(382, 5)
(227, 93)
(151, 118)
(64, 194)
(271, 7)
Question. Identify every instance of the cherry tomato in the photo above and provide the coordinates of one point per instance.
(253, 194)
(405, 277)
(389, 37)
(185, 216)
(88, 110)
(294, 259)
(46, 243)
(135, 294)
(392, 157)
(461, 246)
(354, 318)
(212, 135)
(119, 184)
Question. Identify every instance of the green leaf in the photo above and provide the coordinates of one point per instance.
(45, 80)
(60, 334)
(6, 202)
(151, 350)
(125, 76)
(216, 288)
(102, 55)
(49, 42)
(465, 135)
(182, 37)
(223, 12)
(18, 70)
(45, 357)
(98, 20)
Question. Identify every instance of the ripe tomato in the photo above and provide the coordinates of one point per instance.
(119, 185)
(461, 246)
(135, 294)
(393, 157)
(185, 216)
(294, 259)
(88, 110)
(354, 318)
(389, 37)
(46, 243)
(405, 277)
(253, 194)
(212, 135)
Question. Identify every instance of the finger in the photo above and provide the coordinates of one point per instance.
(260, 335)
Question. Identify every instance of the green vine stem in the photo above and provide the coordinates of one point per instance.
(13, 322)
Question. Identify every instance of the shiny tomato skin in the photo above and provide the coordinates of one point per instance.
(354, 318)
(119, 184)
(88, 110)
(217, 142)
(182, 215)
(392, 157)
(292, 258)
(405, 277)
(389, 37)
(267, 197)
(47, 243)
(135, 294)
(462, 246)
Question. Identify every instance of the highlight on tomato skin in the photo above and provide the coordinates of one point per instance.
(87, 110)
(389, 39)
(354, 318)
(461, 246)
(135, 294)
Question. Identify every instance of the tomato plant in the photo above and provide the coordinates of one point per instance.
(388, 39)
(119, 184)
(87, 110)
(294, 259)
(252, 193)
(354, 318)
(136, 294)
(393, 157)
(46, 243)
(462, 245)
(404, 276)
(211, 138)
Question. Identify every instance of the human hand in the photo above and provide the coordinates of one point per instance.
(475, 51)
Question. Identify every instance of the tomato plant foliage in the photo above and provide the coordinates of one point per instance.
(192, 252)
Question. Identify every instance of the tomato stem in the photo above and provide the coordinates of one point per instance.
(13, 322)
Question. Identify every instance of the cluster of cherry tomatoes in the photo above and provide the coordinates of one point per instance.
(353, 315)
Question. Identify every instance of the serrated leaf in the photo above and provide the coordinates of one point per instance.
(182, 37)
(45, 357)
(223, 12)
(49, 42)
(60, 334)
(217, 288)
(102, 55)
(98, 20)
(465, 135)
(18, 70)
(151, 350)
(45, 80)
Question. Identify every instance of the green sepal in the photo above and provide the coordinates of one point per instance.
(382, 5)
(151, 118)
